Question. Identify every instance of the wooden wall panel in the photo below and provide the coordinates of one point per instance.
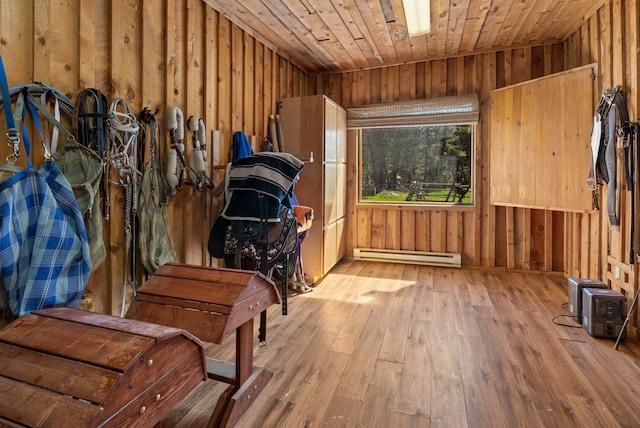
(157, 54)
(534, 162)
(173, 97)
(193, 203)
(471, 231)
(593, 250)
(407, 230)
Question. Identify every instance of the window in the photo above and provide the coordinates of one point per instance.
(425, 164)
(416, 152)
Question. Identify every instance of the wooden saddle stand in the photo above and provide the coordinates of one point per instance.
(64, 367)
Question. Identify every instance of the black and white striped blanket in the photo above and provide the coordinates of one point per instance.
(251, 179)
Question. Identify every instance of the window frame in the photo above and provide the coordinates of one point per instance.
(416, 204)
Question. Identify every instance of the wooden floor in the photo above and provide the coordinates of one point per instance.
(391, 345)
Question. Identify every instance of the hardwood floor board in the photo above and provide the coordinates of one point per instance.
(349, 316)
(388, 303)
(629, 347)
(448, 408)
(352, 329)
(615, 396)
(271, 412)
(308, 328)
(422, 308)
(339, 284)
(546, 295)
(188, 414)
(383, 297)
(378, 409)
(571, 378)
(443, 280)
(505, 291)
(374, 269)
(423, 292)
(484, 405)
(299, 312)
(536, 352)
(333, 315)
(342, 413)
(405, 420)
(466, 324)
(346, 266)
(392, 271)
(309, 386)
(514, 396)
(463, 312)
(443, 328)
(414, 396)
(363, 357)
(367, 270)
(410, 277)
(592, 413)
(463, 297)
(323, 382)
(501, 367)
(626, 356)
(550, 299)
(395, 338)
(476, 280)
(292, 372)
(550, 287)
(387, 284)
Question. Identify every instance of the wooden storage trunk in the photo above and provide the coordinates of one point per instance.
(69, 368)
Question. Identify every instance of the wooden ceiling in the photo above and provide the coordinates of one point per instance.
(343, 35)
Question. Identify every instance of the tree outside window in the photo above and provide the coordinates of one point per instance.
(417, 164)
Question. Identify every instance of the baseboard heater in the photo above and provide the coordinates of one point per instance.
(412, 257)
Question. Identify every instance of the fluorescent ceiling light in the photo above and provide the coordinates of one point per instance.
(418, 16)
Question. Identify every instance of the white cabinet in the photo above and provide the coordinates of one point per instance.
(317, 124)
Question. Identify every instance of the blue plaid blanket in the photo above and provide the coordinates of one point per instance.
(44, 251)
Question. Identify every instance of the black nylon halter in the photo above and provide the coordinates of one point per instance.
(90, 115)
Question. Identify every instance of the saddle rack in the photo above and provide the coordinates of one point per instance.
(210, 303)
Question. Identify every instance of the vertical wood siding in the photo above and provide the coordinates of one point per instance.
(609, 38)
(484, 234)
(159, 54)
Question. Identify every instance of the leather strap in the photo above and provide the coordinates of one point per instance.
(13, 134)
(610, 162)
(50, 138)
(89, 122)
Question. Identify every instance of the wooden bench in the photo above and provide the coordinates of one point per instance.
(211, 303)
(69, 368)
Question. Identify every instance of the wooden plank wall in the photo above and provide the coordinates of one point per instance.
(155, 53)
(610, 38)
(485, 235)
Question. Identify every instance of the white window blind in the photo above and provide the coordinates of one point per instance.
(454, 110)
